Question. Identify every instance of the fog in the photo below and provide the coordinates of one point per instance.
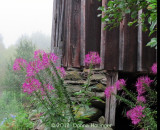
(24, 17)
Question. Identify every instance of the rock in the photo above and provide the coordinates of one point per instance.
(74, 88)
(99, 71)
(78, 82)
(100, 95)
(98, 77)
(91, 113)
(73, 69)
(104, 81)
(98, 88)
(72, 75)
(101, 120)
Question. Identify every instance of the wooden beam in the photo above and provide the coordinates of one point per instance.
(121, 45)
(54, 20)
(83, 31)
(139, 52)
(103, 37)
(110, 109)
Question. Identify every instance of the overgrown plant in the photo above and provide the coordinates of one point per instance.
(91, 60)
(44, 81)
(13, 81)
(143, 112)
(17, 122)
(116, 10)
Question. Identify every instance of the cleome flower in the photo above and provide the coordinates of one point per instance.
(120, 83)
(141, 99)
(61, 71)
(108, 91)
(31, 85)
(141, 81)
(154, 68)
(92, 58)
(135, 114)
(19, 63)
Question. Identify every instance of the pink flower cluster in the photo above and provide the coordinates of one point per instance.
(141, 99)
(31, 85)
(19, 63)
(108, 91)
(33, 68)
(118, 85)
(136, 114)
(154, 68)
(42, 61)
(61, 71)
(141, 81)
(48, 87)
(92, 58)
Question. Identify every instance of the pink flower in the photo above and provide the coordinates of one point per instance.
(33, 68)
(50, 87)
(141, 81)
(120, 83)
(53, 58)
(141, 99)
(38, 54)
(92, 58)
(31, 85)
(136, 114)
(61, 71)
(45, 60)
(108, 91)
(154, 68)
(19, 63)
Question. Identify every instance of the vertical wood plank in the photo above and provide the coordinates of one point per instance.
(83, 31)
(110, 108)
(53, 25)
(121, 45)
(107, 106)
(139, 55)
(57, 28)
(75, 32)
(113, 100)
(93, 26)
(130, 46)
(68, 34)
(103, 37)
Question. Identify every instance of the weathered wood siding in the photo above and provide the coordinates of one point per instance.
(77, 30)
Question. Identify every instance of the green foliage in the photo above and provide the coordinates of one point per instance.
(116, 10)
(25, 50)
(149, 122)
(20, 122)
(9, 104)
(13, 81)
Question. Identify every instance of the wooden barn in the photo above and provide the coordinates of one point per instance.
(76, 30)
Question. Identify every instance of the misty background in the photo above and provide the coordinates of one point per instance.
(23, 20)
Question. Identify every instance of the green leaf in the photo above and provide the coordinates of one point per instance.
(110, 3)
(152, 43)
(97, 98)
(134, 14)
(127, 11)
(154, 23)
(99, 15)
